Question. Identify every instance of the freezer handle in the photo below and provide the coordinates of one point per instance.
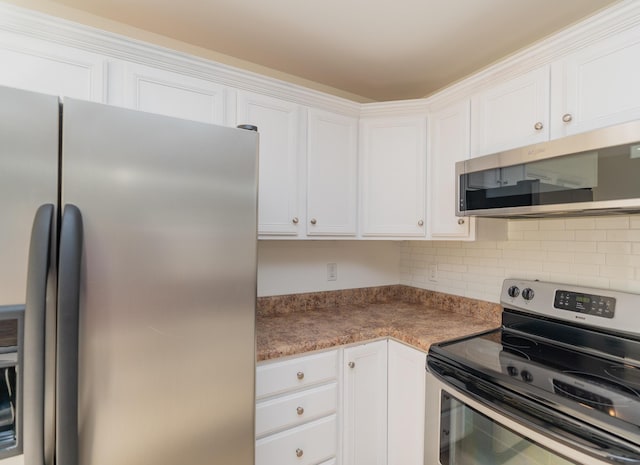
(71, 238)
(34, 336)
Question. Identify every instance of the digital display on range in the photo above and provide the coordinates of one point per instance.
(588, 304)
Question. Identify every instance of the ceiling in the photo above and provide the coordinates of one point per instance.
(377, 49)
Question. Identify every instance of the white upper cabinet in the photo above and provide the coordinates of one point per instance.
(51, 68)
(449, 129)
(279, 126)
(173, 94)
(597, 86)
(393, 172)
(511, 114)
(332, 157)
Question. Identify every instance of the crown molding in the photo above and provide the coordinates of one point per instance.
(44, 27)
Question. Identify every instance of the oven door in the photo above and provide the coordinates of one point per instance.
(464, 430)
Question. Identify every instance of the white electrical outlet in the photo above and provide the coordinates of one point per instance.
(332, 271)
(433, 273)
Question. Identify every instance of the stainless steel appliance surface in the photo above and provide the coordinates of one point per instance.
(133, 238)
(594, 173)
(558, 382)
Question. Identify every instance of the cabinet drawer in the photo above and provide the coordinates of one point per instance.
(295, 409)
(308, 444)
(295, 373)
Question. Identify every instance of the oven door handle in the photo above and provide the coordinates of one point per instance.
(537, 417)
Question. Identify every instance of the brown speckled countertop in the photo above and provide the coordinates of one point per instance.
(419, 322)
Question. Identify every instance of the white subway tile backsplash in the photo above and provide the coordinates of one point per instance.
(612, 222)
(599, 252)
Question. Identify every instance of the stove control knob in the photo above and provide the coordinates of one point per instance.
(527, 294)
(513, 371)
(513, 291)
(526, 376)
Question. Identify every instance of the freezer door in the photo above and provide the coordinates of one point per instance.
(168, 283)
(28, 179)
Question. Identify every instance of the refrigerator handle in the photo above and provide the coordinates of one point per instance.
(34, 336)
(69, 267)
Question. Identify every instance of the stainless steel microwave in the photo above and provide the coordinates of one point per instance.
(593, 173)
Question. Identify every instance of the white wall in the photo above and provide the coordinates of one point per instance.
(291, 267)
(600, 252)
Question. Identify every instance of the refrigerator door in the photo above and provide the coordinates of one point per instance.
(29, 141)
(28, 176)
(166, 352)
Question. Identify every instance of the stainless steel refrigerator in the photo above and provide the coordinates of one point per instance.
(130, 241)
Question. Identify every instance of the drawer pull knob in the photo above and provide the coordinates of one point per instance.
(461, 221)
(567, 118)
(313, 221)
(300, 410)
(300, 375)
(538, 126)
(352, 365)
(420, 223)
(295, 220)
(299, 452)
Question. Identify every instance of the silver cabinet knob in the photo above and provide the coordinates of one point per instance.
(299, 452)
(538, 126)
(567, 117)
(300, 375)
(313, 221)
(420, 222)
(352, 364)
(300, 410)
(460, 220)
(295, 220)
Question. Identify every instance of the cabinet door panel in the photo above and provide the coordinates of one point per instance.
(49, 68)
(278, 123)
(332, 153)
(406, 405)
(505, 116)
(365, 404)
(393, 176)
(597, 86)
(172, 94)
(448, 143)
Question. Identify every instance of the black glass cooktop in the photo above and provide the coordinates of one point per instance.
(582, 373)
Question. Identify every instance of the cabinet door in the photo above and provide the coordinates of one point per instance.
(278, 124)
(406, 405)
(511, 114)
(51, 68)
(173, 94)
(365, 404)
(393, 176)
(448, 143)
(332, 153)
(597, 86)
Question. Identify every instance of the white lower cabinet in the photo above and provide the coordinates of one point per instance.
(405, 405)
(371, 412)
(365, 404)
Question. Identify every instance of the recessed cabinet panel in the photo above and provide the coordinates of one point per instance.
(332, 153)
(393, 176)
(597, 86)
(172, 94)
(511, 114)
(278, 123)
(448, 143)
(50, 68)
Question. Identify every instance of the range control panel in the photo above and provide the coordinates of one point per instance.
(606, 309)
(590, 304)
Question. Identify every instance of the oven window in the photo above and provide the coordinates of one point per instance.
(467, 437)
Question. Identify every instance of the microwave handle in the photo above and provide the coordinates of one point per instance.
(69, 270)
